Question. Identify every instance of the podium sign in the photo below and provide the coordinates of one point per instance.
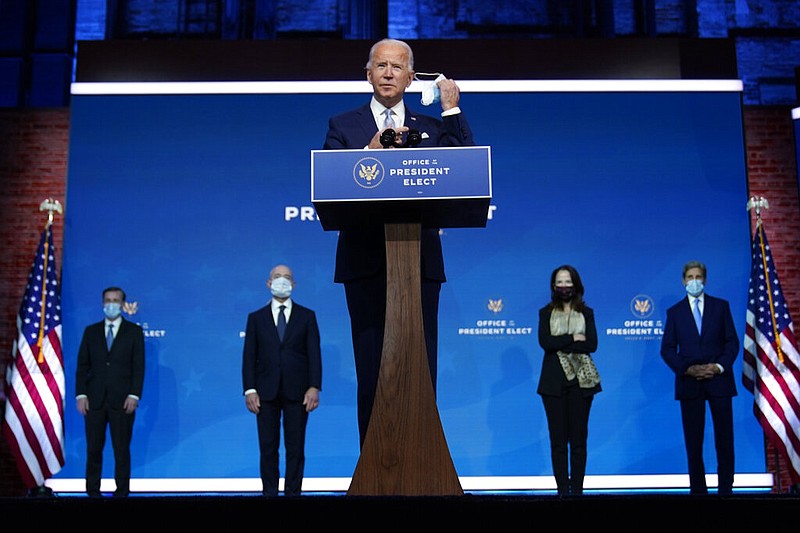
(436, 187)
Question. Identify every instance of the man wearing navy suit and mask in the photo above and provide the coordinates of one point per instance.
(700, 345)
(108, 386)
(282, 375)
(361, 252)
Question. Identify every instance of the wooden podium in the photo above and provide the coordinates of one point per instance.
(405, 451)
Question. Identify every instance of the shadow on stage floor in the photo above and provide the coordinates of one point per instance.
(636, 512)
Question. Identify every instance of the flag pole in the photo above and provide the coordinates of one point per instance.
(50, 206)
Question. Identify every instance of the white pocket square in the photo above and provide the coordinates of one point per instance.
(424, 135)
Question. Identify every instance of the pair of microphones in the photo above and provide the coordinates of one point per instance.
(389, 139)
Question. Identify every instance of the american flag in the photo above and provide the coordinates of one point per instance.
(771, 360)
(34, 416)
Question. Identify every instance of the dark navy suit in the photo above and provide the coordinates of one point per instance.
(281, 373)
(361, 255)
(681, 347)
(107, 378)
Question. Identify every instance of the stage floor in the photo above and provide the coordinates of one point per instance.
(634, 512)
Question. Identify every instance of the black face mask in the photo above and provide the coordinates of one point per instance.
(565, 293)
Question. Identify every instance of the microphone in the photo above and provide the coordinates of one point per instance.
(413, 139)
(388, 138)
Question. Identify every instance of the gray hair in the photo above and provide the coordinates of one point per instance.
(694, 264)
(391, 41)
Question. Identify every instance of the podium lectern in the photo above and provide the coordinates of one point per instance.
(405, 451)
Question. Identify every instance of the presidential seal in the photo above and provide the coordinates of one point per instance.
(368, 172)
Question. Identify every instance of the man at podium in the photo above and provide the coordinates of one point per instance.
(360, 253)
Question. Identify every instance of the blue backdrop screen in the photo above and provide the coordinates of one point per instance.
(187, 201)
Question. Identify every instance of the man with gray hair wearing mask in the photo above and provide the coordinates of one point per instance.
(700, 345)
(282, 376)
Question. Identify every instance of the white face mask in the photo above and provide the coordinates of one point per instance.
(695, 287)
(281, 287)
(430, 92)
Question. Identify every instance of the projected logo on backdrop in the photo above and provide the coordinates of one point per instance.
(131, 308)
(496, 326)
(642, 306)
(368, 172)
(641, 326)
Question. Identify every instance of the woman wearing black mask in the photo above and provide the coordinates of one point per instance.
(569, 378)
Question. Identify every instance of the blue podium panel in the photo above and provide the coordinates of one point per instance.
(437, 187)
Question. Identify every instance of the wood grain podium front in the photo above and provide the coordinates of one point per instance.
(405, 451)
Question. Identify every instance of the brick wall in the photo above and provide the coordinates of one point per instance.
(33, 161)
(33, 158)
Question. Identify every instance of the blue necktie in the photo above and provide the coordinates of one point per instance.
(110, 336)
(698, 318)
(388, 122)
(281, 322)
